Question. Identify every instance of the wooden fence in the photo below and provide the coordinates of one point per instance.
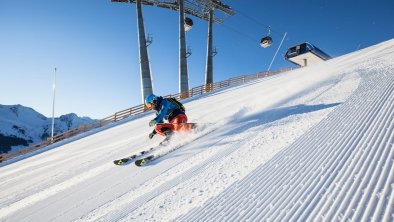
(199, 90)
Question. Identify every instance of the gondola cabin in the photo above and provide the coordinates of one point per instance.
(306, 54)
(188, 24)
(266, 42)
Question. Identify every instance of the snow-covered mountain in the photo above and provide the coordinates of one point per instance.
(21, 126)
(313, 144)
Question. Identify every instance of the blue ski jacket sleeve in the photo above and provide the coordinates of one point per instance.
(166, 108)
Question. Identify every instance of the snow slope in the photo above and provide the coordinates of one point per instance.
(311, 144)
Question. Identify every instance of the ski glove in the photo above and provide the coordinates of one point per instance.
(152, 122)
(152, 134)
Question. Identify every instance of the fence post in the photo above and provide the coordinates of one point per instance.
(209, 87)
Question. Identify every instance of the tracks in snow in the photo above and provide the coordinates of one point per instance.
(341, 173)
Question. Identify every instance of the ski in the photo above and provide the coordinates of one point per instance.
(145, 160)
(125, 160)
(128, 159)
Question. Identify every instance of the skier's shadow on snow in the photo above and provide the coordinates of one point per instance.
(270, 116)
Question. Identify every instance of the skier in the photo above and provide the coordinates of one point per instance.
(167, 109)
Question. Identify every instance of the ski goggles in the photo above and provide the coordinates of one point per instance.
(149, 105)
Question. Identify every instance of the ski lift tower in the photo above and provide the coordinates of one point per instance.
(203, 9)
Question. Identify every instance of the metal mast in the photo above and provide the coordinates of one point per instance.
(209, 65)
(146, 80)
(53, 106)
(183, 74)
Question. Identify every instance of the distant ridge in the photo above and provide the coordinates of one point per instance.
(21, 126)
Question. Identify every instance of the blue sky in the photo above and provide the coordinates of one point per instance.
(93, 44)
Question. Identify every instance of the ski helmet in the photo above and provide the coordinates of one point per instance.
(151, 99)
